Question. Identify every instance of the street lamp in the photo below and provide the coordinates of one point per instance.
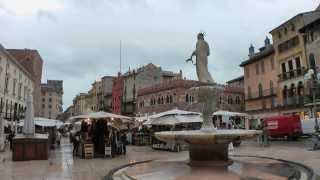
(314, 77)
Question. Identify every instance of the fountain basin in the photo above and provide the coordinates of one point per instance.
(207, 148)
(206, 137)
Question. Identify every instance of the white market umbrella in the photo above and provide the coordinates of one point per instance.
(174, 112)
(103, 115)
(28, 127)
(228, 113)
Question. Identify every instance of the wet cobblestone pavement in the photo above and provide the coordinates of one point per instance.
(62, 165)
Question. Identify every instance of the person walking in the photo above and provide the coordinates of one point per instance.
(123, 140)
(265, 135)
(76, 142)
(10, 138)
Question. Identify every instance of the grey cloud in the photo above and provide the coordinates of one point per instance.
(81, 42)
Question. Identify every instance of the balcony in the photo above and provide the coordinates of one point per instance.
(260, 95)
(292, 74)
(293, 102)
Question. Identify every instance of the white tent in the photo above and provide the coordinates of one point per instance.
(174, 117)
(228, 113)
(44, 122)
(177, 119)
(174, 112)
(99, 115)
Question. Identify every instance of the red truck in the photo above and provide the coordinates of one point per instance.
(284, 126)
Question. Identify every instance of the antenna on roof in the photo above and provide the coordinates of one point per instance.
(120, 56)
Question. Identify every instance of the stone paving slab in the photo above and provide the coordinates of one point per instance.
(62, 165)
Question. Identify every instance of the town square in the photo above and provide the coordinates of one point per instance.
(152, 90)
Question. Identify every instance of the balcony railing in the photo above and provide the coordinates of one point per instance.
(296, 101)
(292, 74)
(262, 94)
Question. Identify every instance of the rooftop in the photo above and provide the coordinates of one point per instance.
(241, 78)
(308, 17)
(258, 56)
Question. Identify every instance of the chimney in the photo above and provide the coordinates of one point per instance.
(267, 42)
(251, 51)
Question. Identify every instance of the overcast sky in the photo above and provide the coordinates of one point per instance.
(79, 39)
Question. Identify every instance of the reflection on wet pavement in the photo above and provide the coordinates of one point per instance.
(62, 165)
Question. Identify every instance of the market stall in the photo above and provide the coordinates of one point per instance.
(173, 120)
(99, 133)
(45, 126)
(230, 120)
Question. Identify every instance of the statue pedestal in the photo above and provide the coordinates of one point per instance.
(30, 147)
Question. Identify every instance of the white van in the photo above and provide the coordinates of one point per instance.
(308, 126)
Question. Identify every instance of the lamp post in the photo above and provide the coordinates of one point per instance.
(2, 136)
(314, 77)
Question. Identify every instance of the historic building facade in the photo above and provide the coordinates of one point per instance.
(261, 80)
(16, 83)
(51, 99)
(80, 104)
(291, 60)
(31, 60)
(311, 33)
(232, 98)
(178, 93)
(117, 91)
(107, 83)
(138, 79)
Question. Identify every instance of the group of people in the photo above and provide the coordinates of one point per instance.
(118, 142)
(102, 136)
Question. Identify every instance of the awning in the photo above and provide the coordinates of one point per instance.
(100, 115)
(174, 112)
(44, 122)
(228, 113)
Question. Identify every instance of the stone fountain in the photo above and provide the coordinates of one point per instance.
(208, 147)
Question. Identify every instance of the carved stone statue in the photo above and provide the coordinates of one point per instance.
(202, 52)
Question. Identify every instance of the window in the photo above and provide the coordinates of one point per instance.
(50, 106)
(50, 100)
(238, 100)
(6, 83)
(257, 69)
(298, 63)
(262, 67)
(43, 106)
(291, 43)
(312, 61)
(220, 100)
(230, 100)
(279, 35)
(293, 27)
(249, 92)
(187, 97)
(272, 63)
(291, 68)
(43, 100)
(247, 72)
(14, 87)
(260, 90)
(271, 87)
(285, 31)
(19, 90)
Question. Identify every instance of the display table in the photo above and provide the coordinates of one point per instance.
(30, 147)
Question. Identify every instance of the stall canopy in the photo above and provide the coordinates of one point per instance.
(100, 115)
(174, 117)
(44, 122)
(228, 113)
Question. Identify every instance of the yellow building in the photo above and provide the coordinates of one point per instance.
(291, 60)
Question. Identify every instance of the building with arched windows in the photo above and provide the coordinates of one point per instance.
(311, 33)
(180, 94)
(16, 83)
(260, 80)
